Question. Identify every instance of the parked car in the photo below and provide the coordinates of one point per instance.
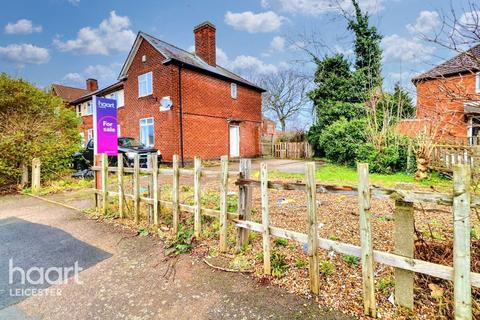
(126, 145)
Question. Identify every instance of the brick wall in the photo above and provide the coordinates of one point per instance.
(442, 102)
(207, 108)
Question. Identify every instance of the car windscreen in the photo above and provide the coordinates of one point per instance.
(130, 143)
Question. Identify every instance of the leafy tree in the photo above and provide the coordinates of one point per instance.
(34, 123)
(404, 105)
(368, 54)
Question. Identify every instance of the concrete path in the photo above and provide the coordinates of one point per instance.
(125, 276)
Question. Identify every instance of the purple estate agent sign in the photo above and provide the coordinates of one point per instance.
(105, 124)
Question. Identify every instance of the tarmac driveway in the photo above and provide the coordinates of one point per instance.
(125, 276)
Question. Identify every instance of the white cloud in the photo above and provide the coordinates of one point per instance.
(253, 64)
(106, 74)
(25, 53)
(277, 44)
(254, 22)
(74, 2)
(318, 7)
(113, 34)
(470, 20)
(397, 49)
(426, 22)
(345, 51)
(22, 26)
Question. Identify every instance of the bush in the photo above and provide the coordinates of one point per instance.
(34, 124)
(342, 139)
(390, 159)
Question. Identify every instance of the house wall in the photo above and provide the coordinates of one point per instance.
(207, 108)
(441, 101)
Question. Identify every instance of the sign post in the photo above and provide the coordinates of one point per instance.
(105, 135)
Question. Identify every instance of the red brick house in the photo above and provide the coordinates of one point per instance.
(212, 111)
(70, 94)
(448, 99)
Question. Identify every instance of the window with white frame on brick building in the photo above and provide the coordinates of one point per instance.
(145, 84)
(147, 132)
(90, 134)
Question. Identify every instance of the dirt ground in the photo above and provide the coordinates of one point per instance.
(138, 282)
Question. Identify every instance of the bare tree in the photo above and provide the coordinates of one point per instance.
(286, 95)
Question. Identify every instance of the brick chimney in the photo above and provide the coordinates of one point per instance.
(92, 84)
(205, 42)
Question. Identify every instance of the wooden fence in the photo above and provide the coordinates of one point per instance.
(402, 259)
(445, 156)
(287, 150)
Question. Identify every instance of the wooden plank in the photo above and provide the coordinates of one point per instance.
(244, 202)
(120, 184)
(462, 291)
(104, 171)
(404, 238)
(136, 187)
(197, 219)
(223, 203)
(155, 189)
(386, 258)
(175, 194)
(368, 285)
(312, 228)
(265, 219)
(36, 164)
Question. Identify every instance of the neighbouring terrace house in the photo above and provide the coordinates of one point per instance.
(213, 111)
(448, 100)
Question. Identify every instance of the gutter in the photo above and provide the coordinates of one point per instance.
(180, 105)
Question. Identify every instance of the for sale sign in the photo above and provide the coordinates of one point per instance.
(105, 124)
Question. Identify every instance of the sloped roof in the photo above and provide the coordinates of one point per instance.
(108, 89)
(175, 54)
(67, 93)
(467, 61)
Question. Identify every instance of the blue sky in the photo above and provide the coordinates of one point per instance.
(66, 41)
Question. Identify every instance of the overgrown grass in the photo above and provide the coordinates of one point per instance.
(343, 175)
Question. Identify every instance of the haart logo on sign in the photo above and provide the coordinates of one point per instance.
(105, 124)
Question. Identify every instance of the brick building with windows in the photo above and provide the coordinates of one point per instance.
(448, 100)
(181, 102)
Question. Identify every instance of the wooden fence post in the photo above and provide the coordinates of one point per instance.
(120, 184)
(244, 202)
(366, 241)
(104, 163)
(175, 194)
(36, 164)
(197, 218)
(404, 238)
(136, 187)
(223, 204)
(154, 166)
(265, 218)
(311, 189)
(462, 291)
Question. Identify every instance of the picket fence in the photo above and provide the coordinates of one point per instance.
(402, 259)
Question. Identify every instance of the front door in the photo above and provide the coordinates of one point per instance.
(234, 141)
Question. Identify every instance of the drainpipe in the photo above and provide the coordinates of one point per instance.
(180, 104)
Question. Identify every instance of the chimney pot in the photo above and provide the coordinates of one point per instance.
(92, 84)
(205, 46)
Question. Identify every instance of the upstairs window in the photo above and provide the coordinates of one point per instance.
(89, 108)
(145, 84)
(78, 108)
(233, 90)
(477, 83)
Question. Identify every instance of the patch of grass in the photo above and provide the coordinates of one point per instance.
(143, 232)
(338, 174)
(278, 263)
(300, 263)
(280, 242)
(240, 262)
(333, 237)
(352, 261)
(386, 283)
(63, 184)
(183, 243)
(327, 268)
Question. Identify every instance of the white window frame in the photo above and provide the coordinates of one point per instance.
(145, 122)
(145, 84)
(477, 82)
(89, 108)
(78, 110)
(118, 131)
(233, 90)
(89, 134)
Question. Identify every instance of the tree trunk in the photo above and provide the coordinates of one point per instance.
(282, 125)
